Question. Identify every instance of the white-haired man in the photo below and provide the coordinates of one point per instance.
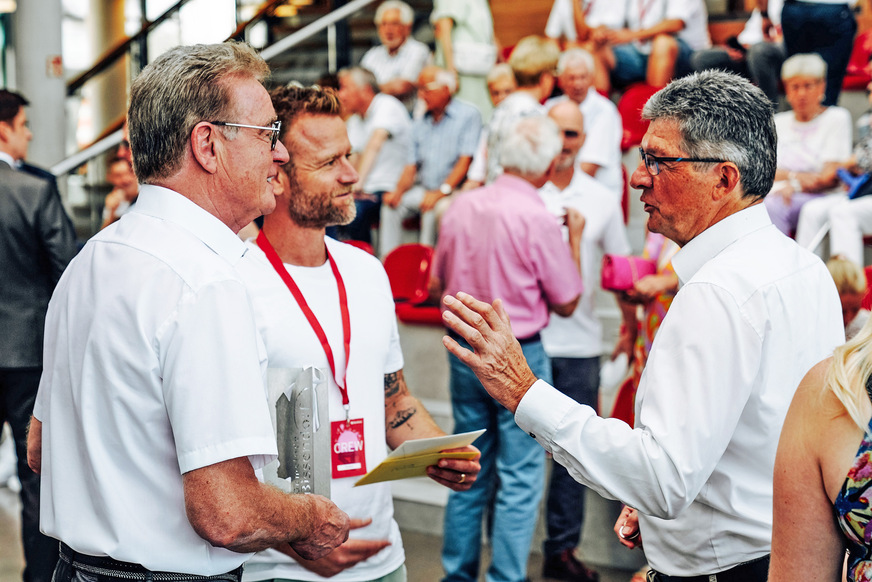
(398, 60)
(574, 344)
(501, 241)
(443, 143)
(600, 156)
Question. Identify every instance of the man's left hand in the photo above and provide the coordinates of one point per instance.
(456, 474)
(431, 197)
(498, 360)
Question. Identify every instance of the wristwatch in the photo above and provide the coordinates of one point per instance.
(446, 189)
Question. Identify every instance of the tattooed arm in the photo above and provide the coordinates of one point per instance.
(406, 418)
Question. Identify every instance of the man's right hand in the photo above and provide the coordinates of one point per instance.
(330, 529)
(392, 199)
(344, 556)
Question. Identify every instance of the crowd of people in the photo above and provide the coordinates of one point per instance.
(145, 382)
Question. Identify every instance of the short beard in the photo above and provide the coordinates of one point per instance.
(564, 162)
(316, 214)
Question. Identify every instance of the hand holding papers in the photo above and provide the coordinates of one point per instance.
(412, 458)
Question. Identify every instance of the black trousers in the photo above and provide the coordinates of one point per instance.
(17, 394)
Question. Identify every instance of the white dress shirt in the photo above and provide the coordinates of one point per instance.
(153, 368)
(753, 314)
(580, 335)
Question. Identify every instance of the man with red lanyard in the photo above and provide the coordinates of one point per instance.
(320, 302)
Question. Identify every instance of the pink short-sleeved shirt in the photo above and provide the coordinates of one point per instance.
(501, 242)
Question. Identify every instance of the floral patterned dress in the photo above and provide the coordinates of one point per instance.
(853, 509)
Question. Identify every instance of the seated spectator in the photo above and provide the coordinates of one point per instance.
(600, 156)
(750, 54)
(378, 128)
(572, 21)
(501, 83)
(125, 189)
(655, 46)
(398, 60)
(847, 216)
(443, 142)
(813, 140)
(852, 286)
(533, 62)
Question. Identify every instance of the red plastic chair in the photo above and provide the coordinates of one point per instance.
(630, 107)
(625, 403)
(362, 245)
(408, 268)
(867, 299)
(856, 76)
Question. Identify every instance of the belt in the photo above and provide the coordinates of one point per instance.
(105, 566)
(536, 337)
(751, 571)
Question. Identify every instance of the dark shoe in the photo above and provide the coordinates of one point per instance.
(565, 566)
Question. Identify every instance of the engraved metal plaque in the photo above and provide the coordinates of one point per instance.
(300, 416)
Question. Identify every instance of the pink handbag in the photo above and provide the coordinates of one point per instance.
(620, 272)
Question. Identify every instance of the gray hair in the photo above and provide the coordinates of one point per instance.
(499, 71)
(181, 88)
(361, 77)
(575, 57)
(407, 16)
(804, 65)
(529, 145)
(445, 78)
(721, 115)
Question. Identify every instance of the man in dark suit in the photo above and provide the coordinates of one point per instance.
(36, 243)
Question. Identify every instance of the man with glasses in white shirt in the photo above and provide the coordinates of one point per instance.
(152, 415)
(754, 312)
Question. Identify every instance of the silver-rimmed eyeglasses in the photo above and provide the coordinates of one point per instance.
(652, 162)
(275, 128)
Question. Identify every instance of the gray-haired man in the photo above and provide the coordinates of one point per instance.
(754, 313)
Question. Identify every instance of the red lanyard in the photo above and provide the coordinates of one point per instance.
(643, 10)
(277, 264)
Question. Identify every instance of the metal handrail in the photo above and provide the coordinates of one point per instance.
(112, 140)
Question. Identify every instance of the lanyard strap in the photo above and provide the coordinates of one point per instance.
(279, 267)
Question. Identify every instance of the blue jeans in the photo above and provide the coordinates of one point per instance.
(512, 468)
(631, 65)
(826, 29)
(578, 378)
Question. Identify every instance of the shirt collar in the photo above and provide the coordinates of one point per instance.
(4, 157)
(166, 204)
(450, 111)
(707, 244)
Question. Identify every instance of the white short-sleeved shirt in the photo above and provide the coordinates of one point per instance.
(153, 368)
(406, 64)
(561, 20)
(603, 131)
(807, 146)
(388, 113)
(643, 14)
(580, 335)
(375, 351)
(753, 314)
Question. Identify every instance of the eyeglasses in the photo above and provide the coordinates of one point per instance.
(570, 133)
(275, 128)
(652, 162)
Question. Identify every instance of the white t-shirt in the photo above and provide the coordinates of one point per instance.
(602, 143)
(388, 113)
(375, 351)
(643, 14)
(153, 368)
(580, 335)
(807, 146)
(406, 64)
(561, 21)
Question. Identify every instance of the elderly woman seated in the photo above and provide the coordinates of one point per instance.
(812, 141)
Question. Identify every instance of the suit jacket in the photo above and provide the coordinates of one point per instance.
(37, 241)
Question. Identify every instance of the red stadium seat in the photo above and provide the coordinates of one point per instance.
(867, 299)
(857, 75)
(365, 246)
(630, 107)
(408, 269)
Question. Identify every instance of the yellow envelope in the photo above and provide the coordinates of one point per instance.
(412, 458)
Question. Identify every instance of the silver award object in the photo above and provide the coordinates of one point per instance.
(299, 411)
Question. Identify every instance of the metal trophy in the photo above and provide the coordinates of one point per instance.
(300, 416)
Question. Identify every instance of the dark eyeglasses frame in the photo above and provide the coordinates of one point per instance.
(652, 162)
(275, 128)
